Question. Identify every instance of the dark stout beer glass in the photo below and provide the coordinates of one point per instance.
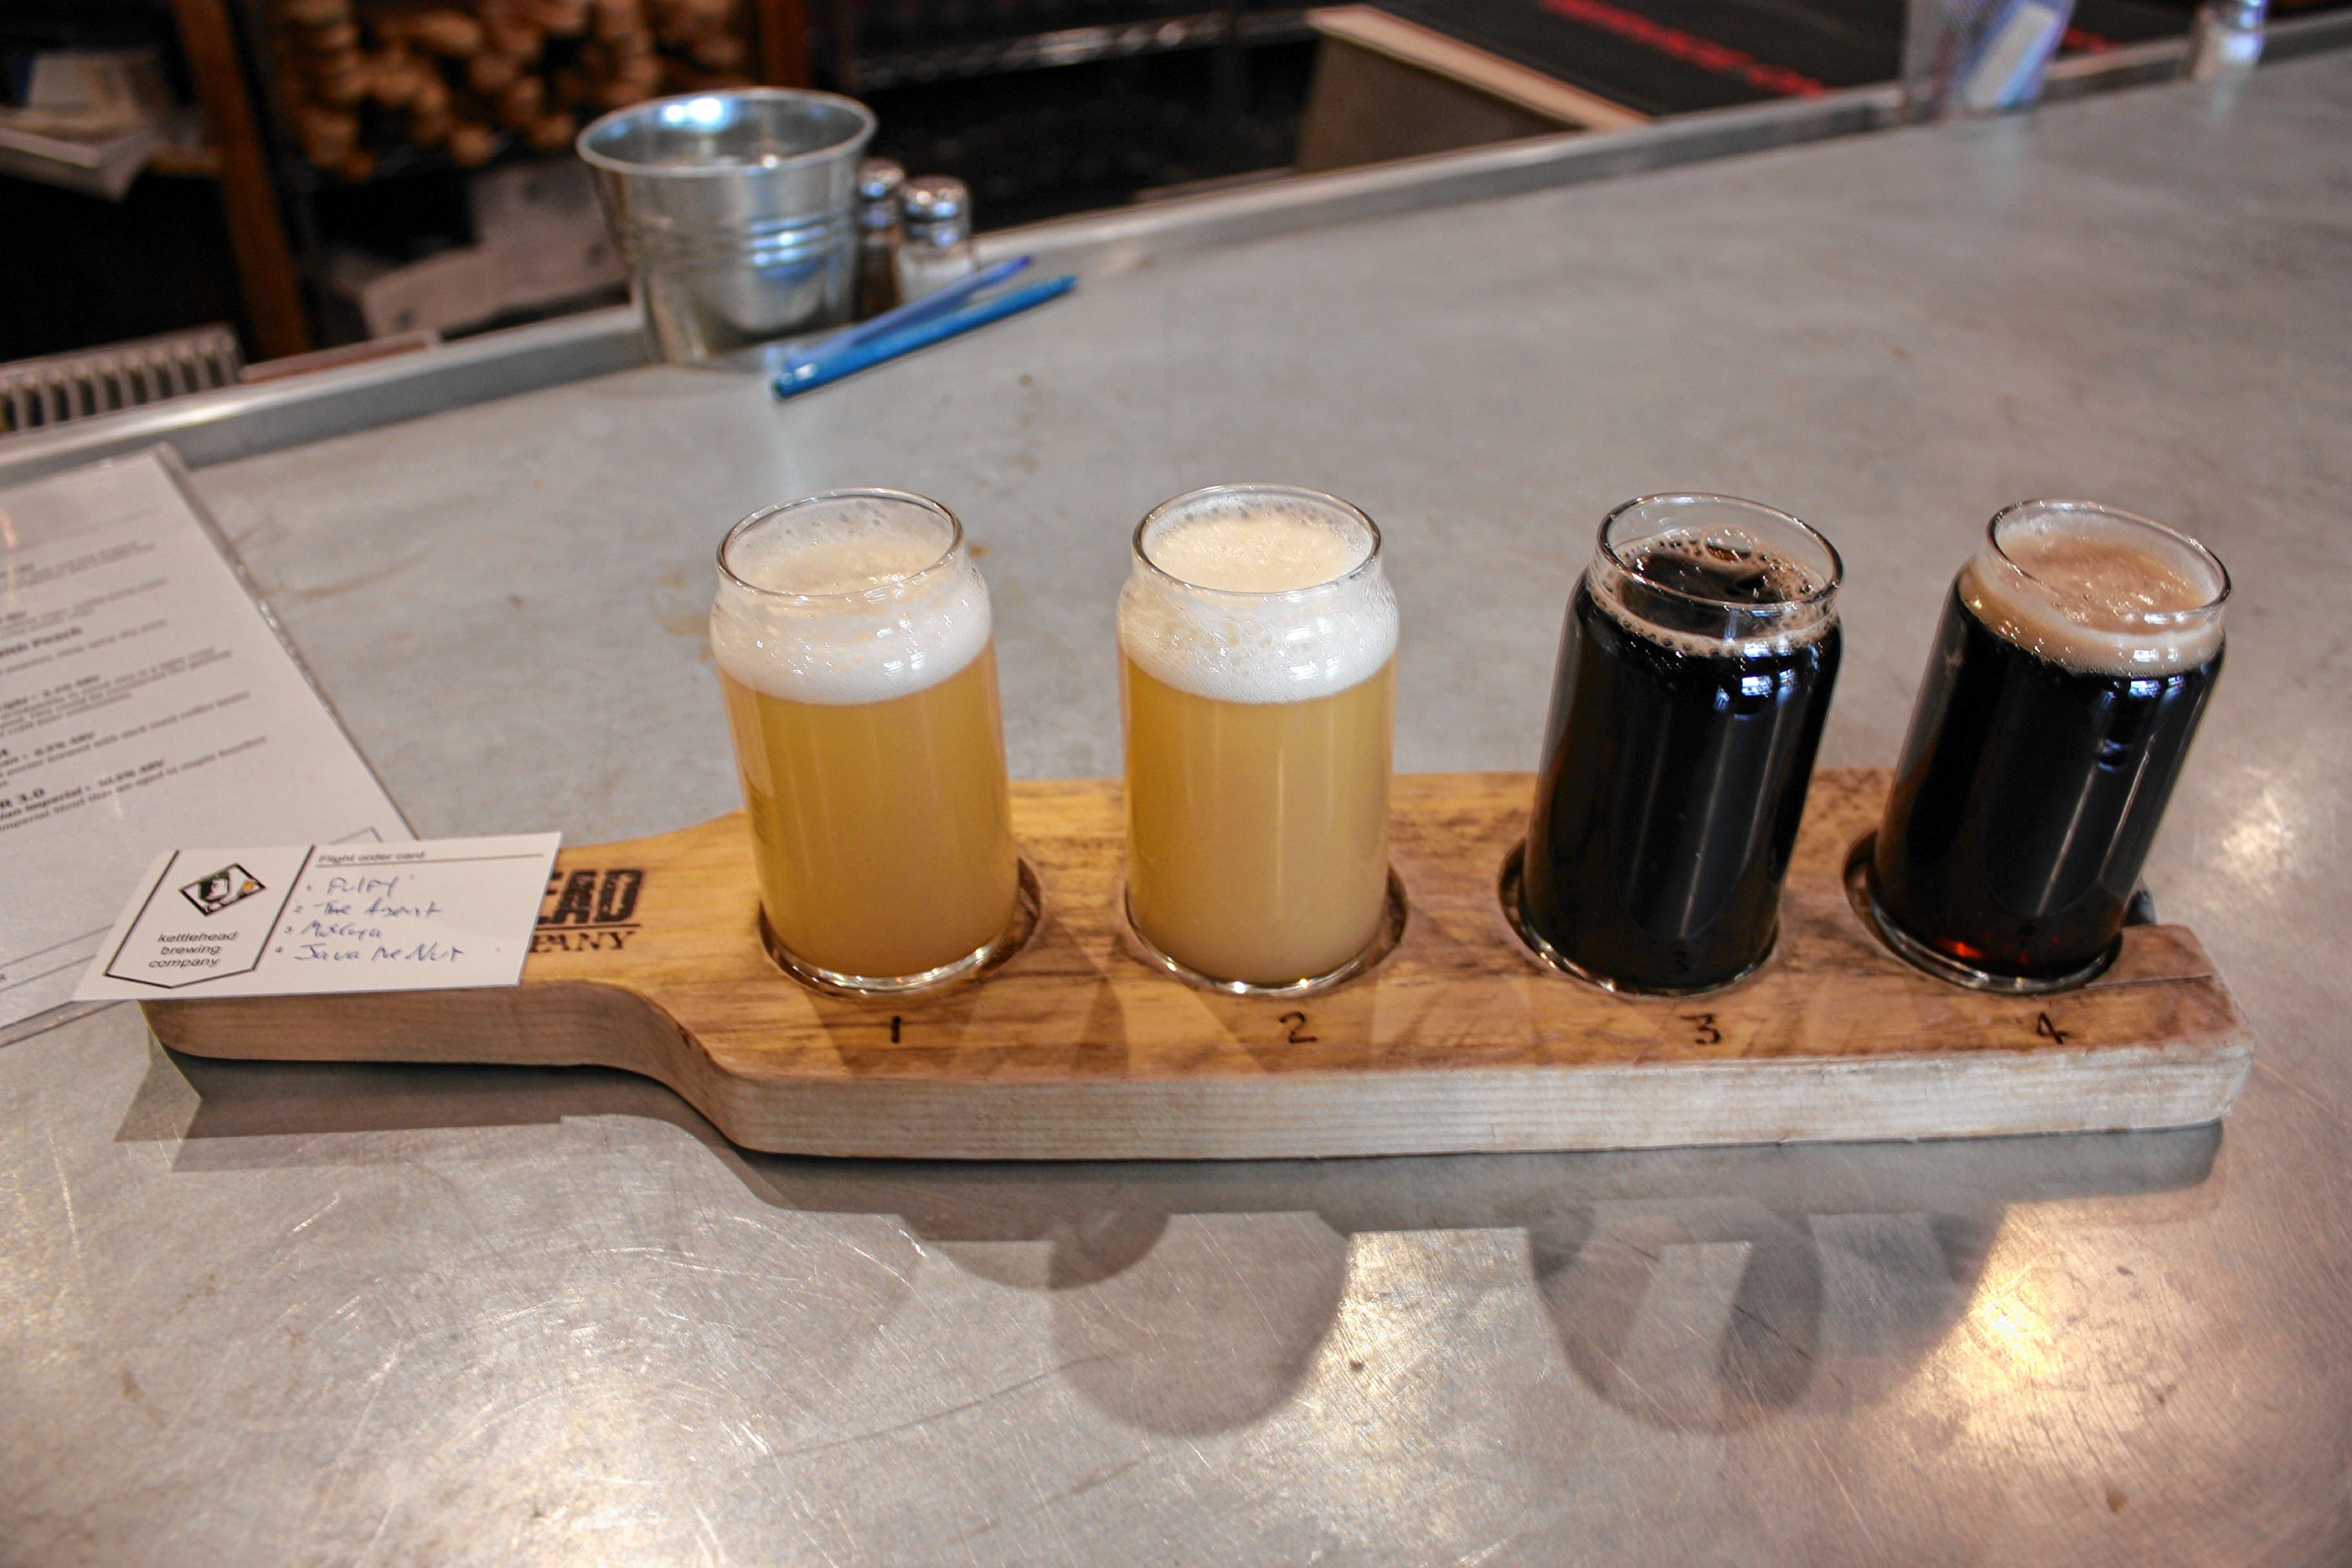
(1694, 671)
(2075, 655)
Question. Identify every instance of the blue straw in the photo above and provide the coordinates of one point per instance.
(939, 302)
(813, 372)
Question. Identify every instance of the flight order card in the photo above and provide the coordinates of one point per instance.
(430, 915)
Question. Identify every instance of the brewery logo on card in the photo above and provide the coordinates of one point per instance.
(217, 891)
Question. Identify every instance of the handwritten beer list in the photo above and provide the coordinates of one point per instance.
(144, 701)
(434, 915)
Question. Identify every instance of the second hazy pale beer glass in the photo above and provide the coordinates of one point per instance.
(2074, 659)
(852, 636)
(1694, 671)
(1257, 636)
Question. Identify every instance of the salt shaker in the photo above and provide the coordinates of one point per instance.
(935, 248)
(878, 184)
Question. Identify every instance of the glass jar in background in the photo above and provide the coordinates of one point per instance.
(1696, 668)
(1258, 639)
(856, 652)
(2076, 653)
(1967, 58)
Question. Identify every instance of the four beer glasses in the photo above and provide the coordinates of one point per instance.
(2075, 655)
(1257, 639)
(852, 632)
(1257, 636)
(1694, 672)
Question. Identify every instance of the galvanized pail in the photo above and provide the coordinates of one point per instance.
(733, 211)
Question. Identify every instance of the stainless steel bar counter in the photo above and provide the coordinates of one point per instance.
(255, 1314)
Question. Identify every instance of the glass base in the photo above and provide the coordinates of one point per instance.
(1513, 885)
(1026, 903)
(1392, 917)
(1861, 892)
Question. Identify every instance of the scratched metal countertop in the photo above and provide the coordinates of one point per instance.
(256, 1314)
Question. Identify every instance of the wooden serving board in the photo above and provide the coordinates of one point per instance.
(647, 958)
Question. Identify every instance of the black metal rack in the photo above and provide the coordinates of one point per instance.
(1050, 106)
(952, 57)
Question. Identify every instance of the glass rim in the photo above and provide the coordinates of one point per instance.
(887, 589)
(1289, 492)
(2196, 548)
(1758, 608)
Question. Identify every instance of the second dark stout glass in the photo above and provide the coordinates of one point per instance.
(2075, 654)
(1694, 673)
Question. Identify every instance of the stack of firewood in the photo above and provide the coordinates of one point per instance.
(359, 79)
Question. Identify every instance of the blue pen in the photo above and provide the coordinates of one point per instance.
(939, 302)
(811, 372)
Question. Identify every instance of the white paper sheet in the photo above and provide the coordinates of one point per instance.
(145, 701)
(434, 915)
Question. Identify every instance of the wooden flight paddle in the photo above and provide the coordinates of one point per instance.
(648, 959)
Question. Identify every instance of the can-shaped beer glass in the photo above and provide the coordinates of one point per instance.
(1696, 669)
(1257, 639)
(2074, 659)
(854, 648)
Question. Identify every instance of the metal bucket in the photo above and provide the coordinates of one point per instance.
(734, 211)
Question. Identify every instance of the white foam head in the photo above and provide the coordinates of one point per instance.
(2097, 590)
(849, 596)
(1258, 594)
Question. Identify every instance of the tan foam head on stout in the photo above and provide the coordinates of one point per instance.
(1258, 594)
(2097, 590)
(1791, 574)
(850, 596)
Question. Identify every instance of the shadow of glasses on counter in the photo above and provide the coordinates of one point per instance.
(1694, 1290)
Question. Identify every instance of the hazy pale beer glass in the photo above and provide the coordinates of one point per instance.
(852, 631)
(2075, 654)
(1258, 639)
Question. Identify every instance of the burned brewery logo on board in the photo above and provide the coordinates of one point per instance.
(217, 891)
(593, 909)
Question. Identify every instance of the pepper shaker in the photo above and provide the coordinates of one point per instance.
(879, 182)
